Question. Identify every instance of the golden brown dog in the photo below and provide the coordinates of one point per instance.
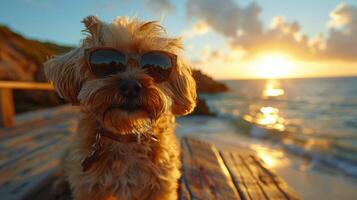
(126, 146)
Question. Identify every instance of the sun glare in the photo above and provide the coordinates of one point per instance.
(274, 66)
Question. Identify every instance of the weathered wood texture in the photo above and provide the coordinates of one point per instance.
(206, 175)
(253, 179)
(7, 109)
(218, 174)
(30, 153)
(25, 85)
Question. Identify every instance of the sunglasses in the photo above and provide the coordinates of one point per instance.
(106, 61)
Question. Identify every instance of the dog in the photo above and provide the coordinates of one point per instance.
(130, 80)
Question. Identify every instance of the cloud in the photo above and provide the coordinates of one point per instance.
(342, 40)
(199, 28)
(242, 28)
(225, 17)
(343, 14)
(159, 6)
(211, 55)
(281, 35)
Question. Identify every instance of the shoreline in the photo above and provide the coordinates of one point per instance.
(300, 173)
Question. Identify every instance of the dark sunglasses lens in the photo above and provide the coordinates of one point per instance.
(158, 65)
(107, 62)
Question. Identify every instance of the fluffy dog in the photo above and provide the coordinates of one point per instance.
(126, 146)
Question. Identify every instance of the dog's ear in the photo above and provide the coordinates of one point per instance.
(93, 26)
(183, 89)
(64, 72)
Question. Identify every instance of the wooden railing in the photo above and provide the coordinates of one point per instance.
(7, 109)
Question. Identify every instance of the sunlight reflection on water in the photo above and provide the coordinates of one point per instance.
(273, 89)
(268, 116)
(272, 157)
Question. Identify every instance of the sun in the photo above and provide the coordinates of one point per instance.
(274, 65)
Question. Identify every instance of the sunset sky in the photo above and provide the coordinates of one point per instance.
(227, 39)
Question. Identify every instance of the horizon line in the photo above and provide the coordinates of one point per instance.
(285, 78)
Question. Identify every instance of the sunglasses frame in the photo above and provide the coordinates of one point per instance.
(137, 56)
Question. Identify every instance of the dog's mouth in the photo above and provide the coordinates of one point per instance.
(127, 106)
(130, 107)
(126, 118)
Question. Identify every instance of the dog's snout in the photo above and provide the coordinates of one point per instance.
(130, 88)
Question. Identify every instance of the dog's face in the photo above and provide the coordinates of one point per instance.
(132, 99)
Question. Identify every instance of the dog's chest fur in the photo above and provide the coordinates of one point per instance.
(130, 170)
(123, 166)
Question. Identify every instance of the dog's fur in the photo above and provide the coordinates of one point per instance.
(125, 171)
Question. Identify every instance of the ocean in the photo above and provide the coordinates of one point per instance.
(314, 118)
(304, 129)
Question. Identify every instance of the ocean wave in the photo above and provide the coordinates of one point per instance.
(348, 167)
(337, 155)
(309, 118)
(340, 157)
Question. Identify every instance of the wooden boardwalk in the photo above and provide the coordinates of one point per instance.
(30, 153)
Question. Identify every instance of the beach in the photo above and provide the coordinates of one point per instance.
(309, 179)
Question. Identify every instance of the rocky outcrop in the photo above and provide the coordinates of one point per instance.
(21, 59)
(206, 84)
(202, 108)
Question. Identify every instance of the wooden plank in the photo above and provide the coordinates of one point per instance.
(39, 133)
(206, 175)
(18, 131)
(253, 179)
(28, 174)
(16, 147)
(7, 109)
(25, 85)
(184, 194)
(45, 192)
(31, 153)
(11, 156)
(270, 189)
(247, 186)
(46, 113)
(9, 173)
(288, 192)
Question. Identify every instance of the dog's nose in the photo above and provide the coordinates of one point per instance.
(130, 88)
